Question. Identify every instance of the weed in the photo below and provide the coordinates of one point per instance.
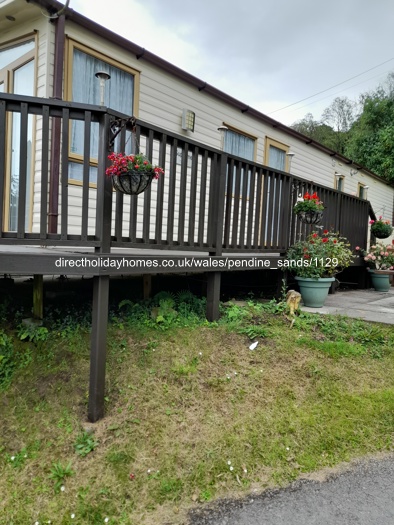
(185, 369)
(18, 460)
(85, 444)
(33, 333)
(170, 489)
(254, 332)
(59, 473)
(7, 359)
(205, 495)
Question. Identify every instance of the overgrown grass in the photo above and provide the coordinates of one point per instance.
(192, 414)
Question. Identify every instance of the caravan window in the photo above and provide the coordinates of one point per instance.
(275, 155)
(119, 94)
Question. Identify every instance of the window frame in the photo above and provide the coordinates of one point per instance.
(7, 80)
(242, 133)
(278, 145)
(339, 177)
(72, 44)
(249, 136)
(362, 194)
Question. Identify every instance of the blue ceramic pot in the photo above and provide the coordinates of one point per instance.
(314, 291)
(380, 281)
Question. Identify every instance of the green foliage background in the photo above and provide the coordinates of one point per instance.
(362, 130)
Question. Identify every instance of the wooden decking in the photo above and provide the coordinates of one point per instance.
(208, 203)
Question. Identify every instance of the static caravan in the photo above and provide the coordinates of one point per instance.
(48, 51)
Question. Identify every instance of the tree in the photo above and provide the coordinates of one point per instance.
(340, 114)
(371, 141)
(316, 130)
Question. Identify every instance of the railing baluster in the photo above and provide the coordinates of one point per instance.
(147, 196)
(171, 193)
(86, 175)
(258, 219)
(265, 217)
(228, 207)
(202, 205)
(119, 196)
(275, 210)
(192, 198)
(182, 195)
(285, 213)
(252, 183)
(3, 117)
(160, 191)
(235, 205)
(44, 173)
(134, 198)
(244, 196)
(22, 192)
(65, 150)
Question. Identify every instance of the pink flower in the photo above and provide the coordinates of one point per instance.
(357, 248)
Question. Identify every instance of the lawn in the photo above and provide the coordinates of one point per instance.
(192, 413)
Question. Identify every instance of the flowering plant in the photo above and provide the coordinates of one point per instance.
(318, 256)
(310, 203)
(381, 228)
(121, 164)
(379, 257)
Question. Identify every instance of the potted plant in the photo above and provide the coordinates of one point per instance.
(315, 261)
(380, 264)
(381, 228)
(310, 209)
(131, 174)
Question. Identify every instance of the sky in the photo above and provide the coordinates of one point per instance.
(285, 58)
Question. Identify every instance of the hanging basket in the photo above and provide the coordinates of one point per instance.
(133, 182)
(310, 217)
(381, 230)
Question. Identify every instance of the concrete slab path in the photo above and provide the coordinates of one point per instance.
(362, 304)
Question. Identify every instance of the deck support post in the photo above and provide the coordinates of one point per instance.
(147, 283)
(213, 295)
(98, 338)
(38, 297)
(98, 345)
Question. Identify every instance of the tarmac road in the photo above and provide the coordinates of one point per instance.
(362, 495)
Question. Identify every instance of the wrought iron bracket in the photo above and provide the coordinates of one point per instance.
(116, 127)
(297, 186)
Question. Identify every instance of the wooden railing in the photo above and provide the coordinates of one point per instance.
(207, 201)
